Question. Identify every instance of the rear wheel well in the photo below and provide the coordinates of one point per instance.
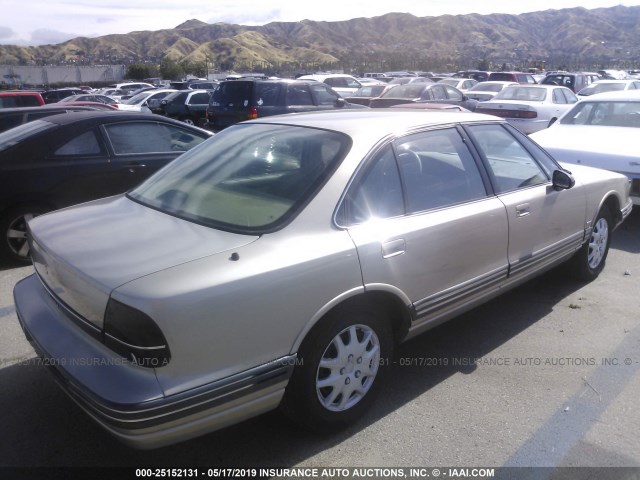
(391, 307)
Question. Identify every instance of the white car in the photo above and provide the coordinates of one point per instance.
(530, 108)
(462, 84)
(344, 85)
(485, 91)
(138, 103)
(603, 86)
(600, 131)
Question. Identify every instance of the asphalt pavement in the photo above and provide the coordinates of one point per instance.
(545, 375)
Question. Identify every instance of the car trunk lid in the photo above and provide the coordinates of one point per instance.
(82, 253)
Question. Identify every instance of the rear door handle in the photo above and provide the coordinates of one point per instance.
(393, 248)
(523, 210)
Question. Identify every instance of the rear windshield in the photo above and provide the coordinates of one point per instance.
(16, 135)
(248, 178)
(412, 90)
(527, 94)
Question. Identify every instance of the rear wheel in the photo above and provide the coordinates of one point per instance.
(589, 261)
(13, 226)
(188, 120)
(339, 368)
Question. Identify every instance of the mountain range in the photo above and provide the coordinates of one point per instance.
(570, 38)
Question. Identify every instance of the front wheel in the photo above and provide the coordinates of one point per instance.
(339, 368)
(589, 261)
(13, 226)
(188, 120)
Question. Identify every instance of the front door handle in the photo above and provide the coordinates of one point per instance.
(393, 248)
(523, 210)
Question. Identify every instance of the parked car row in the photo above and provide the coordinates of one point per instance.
(65, 159)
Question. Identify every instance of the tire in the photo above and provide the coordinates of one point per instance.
(188, 120)
(589, 261)
(332, 387)
(13, 225)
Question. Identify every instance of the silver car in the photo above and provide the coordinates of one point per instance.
(277, 264)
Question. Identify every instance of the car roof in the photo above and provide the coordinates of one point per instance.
(375, 122)
(96, 116)
(622, 95)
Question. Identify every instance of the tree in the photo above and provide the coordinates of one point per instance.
(140, 71)
(483, 65)
(170, 70)
(198, 69)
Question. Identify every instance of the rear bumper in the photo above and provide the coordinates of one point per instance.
(126, 399)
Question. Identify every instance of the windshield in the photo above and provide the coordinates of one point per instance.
(248, 178)
(526, 94)
(486, 87)
(15, 135)
(610, 114)
(139, 98)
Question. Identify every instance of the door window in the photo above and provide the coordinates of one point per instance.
(148, 137)
(510, 164)
(299, 95)
(438, 170)
(323, 95)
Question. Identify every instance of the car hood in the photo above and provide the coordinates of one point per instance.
(83, 253)
(592, 146)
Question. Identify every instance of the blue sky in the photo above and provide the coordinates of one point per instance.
(51, 21)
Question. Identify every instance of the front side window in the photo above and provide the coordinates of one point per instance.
(438, 170)
(149, 137)
(510, 165)
(323, 95)
(248, 178)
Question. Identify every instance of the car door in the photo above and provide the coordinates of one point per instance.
(545, 224)
(77, 169)
(325, 98)
(140, 148)
(425, 226)
(299, 98)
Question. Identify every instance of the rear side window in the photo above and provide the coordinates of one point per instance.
(199, 99)
(376, 194)
(266, 94)
(299, 95)
(84, 144)
(438, 170)
(232, 93)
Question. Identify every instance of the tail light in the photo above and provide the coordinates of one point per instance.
(134, 335)
(253, 113)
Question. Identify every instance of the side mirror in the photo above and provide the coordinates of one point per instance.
(562, 180)
(341, 102)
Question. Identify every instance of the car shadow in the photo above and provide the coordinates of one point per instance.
(45, 428)
(627, 236)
